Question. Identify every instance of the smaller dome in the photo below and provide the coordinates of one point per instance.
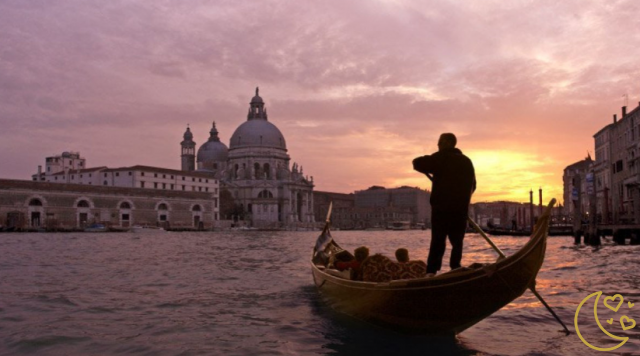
(213, 150)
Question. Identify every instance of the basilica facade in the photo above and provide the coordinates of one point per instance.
(256, 169)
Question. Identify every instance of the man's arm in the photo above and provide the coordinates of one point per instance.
(423, 164)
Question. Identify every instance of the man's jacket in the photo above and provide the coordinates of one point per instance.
(454, 179)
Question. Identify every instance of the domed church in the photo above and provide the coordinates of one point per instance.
(256, 170)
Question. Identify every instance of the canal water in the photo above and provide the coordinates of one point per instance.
(251, 293)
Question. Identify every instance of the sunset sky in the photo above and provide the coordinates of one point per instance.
(358, 88)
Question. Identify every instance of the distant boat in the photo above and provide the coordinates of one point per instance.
(95, 228)
(146, 229)
(244, 228)
(372, 228)
(399, 225)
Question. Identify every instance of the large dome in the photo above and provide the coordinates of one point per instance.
(257, 133)
(213, 150)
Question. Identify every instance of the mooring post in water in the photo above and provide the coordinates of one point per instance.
(577, 208)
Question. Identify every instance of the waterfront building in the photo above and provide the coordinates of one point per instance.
(625, 177)
(139, 176)
(342, 212)
(256, 170)
(602, 170)
(65, 206)
(396, 204)
(615, 171)
(70, 168)
(504, 214)
(576, 186)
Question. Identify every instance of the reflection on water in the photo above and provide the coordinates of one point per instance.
(250, 293)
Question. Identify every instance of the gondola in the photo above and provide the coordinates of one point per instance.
(448, 303)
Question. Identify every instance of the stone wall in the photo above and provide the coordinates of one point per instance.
(60, 206)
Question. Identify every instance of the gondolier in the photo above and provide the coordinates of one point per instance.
(454, 182)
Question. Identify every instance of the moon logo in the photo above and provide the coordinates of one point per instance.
(595, 313)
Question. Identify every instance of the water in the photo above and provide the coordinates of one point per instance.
(251, 293)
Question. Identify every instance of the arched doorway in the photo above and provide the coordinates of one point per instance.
(36, 212)
(83, 209)
(196, 212)
(126, 217)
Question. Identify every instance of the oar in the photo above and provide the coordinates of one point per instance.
(502, 255)
(532, 287)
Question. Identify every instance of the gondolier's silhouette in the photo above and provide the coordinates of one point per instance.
(454, 182)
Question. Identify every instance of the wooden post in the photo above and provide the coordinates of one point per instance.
(531, 209)
(576, 196)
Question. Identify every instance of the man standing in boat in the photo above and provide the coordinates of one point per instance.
(454, 181)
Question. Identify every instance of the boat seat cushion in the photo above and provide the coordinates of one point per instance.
(379, 268)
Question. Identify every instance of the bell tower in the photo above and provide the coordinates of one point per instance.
(188, 151)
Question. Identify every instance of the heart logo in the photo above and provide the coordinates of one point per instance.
(612, 299)
(624, 317)
(610, 321)
(630, 305)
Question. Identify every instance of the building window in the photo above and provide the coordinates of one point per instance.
(162, 206)
(193, 179)
(129, 173)
(117, 174)
(193, 189)
(197, 208)
(155, 175)
(206, 181)
(105, 183)
(171, 177)
(171, 186)
(155, 185)
(206, 189)
(183, 187)
(164, 176)
(83, 204)
(164, 185)
(56, 178)
(142, 174)
(163, 218)
(182, 178)
(199, 189)
(73, 177)
(81, 176)
(125, 205)
(89, 175)
(200, 180)
(105, 174)
(141, 184)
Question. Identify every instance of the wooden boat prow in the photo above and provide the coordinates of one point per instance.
(448, 303)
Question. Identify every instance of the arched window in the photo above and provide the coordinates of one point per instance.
(125, 205)
(256, 169)
(267, 170)
(35, 202)
(83, 204)
(162, 206)
(196, 208)
(265, 194)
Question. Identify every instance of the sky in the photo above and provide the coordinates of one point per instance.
(358, 88)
